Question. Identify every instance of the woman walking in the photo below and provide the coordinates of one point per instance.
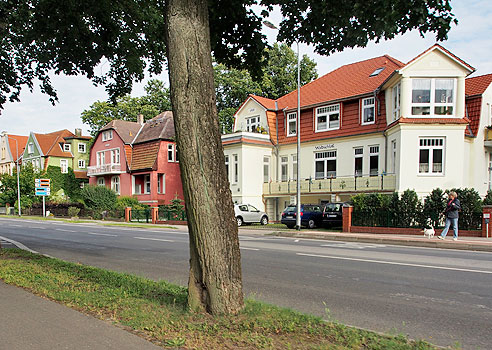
(452, 213)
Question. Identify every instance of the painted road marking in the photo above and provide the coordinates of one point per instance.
(101, 234)
(396, 263)
(350, 245)
(60, 229)
(245, 248)
(154, 239)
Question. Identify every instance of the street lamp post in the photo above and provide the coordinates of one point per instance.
(298, 131)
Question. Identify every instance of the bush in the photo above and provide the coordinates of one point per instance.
(99, 198)
(126, 201)
(434, 206)
(471, 207)
(409, 215)
(73, 211)
(488, 198)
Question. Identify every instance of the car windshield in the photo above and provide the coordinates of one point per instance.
(289, 209)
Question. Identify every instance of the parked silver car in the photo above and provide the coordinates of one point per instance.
(247, 214)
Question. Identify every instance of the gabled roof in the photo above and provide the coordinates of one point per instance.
(268, 103)
(50, 143)
(444, 51)
(125, 130)
(161, 127)
(347, 81)
(477, 85)
(21, 144)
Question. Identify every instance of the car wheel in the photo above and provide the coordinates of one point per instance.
(311, 223)
(239, 221)
(264, 220)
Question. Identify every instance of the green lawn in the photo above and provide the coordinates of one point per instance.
(157, 311)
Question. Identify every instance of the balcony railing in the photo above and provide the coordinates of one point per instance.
(382, 182)
(104, 169)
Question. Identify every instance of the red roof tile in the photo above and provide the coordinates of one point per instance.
(144, 155)
(473, 109)
(347, 81)
(477, 85)
(21, 144)
(265, 102)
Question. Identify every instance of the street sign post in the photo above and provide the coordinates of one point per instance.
(42, 188)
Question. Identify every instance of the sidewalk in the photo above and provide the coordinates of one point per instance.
(465, 243)
(31, 322)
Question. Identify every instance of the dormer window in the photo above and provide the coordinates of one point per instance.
(66, 147)
(434, 97)
(368, 111)
(291, 124)
(253, 124)
(327, 118)
(107, 135)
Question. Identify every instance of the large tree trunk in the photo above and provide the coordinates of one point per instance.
(215, 282)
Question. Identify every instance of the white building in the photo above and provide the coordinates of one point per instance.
(377, 125)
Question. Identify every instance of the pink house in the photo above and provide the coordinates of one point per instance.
(137, 159)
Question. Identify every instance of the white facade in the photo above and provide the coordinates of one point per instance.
(425, 141)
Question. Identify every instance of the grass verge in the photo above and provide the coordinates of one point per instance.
(157, 311)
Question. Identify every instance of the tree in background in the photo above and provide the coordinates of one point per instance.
(279, 77)
(128, 108)
(8, 187)
(73, 37)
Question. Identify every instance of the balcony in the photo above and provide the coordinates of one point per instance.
(365, 183)
(488, 137)
(104, 169)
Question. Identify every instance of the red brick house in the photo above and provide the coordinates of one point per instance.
(138, 159)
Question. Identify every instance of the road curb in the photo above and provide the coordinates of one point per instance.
(390, 241)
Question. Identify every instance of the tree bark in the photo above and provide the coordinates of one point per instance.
(215, 281)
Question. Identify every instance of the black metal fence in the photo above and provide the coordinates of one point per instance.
(140, 215)
(166, 215)
(385, 218)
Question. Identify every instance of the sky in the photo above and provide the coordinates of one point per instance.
(470, 40)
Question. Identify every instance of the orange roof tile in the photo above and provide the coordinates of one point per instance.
(347, 81)
(21, 144)
(49, 144)
(473, 109)
(477, 85)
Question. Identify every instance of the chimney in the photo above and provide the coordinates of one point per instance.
(78, 132)
(140, 119)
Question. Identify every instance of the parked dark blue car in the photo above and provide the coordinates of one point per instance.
(311, 215)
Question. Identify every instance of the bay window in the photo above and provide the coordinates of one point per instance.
(433, 97)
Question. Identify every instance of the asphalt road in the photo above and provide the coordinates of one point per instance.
(443, 296)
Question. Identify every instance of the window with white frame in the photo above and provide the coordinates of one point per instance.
(431, 155)
(30, 148)
(100, 181)
(294, 166)
(291, 124)
(396, 102)
(327, 118)
(64, 166)
(253, 124)
(266, 169)
(373, 160)
(227, 167)
(82, 147)
(100, 158)
(161, 183)
(368, 110)
(67, 147)
(358, 160)
(81, 164)
(236, 168)
(434, 97)
(393, 156)
(284, 168)
(115, 184)
(115, 156)
(170, 152)
(147, 184)
(325, 164)
(107, 135)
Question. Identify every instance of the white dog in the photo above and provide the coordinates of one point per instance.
(429, 232)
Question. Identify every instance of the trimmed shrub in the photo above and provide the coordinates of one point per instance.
(99, 198)
(434, 206)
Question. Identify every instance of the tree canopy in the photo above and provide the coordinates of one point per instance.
(75, 37)
(127, 108)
